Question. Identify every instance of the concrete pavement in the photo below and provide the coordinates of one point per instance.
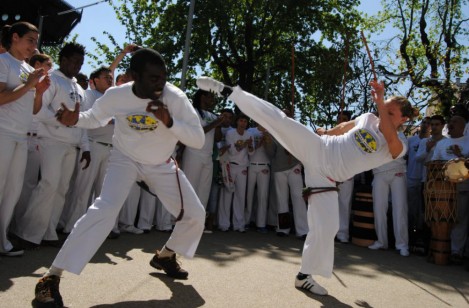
(237, 270)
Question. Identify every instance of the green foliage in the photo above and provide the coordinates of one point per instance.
(249, 43)
(428, 51)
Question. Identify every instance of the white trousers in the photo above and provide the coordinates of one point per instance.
(47, 199)
(88, 181)
(164, 219)
(199, 171)
(147, 209)
(129, 210)
(345, 204)
(13, 157)
(239, 176)
(290, 183)
(92, 229)
(383, 182)
(258, 177)
(67, 209)
(152, 212)
(272, 212)
(31, 178)
(323, 210)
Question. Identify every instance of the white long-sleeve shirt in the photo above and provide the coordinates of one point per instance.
(100, 134)
(61, 90)
(139, 134)
(207, 150)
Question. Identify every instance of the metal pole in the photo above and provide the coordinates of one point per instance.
(41, 19)
(39, 41)
(81, 7)
(293, 80)
(187, 45)
(267, 81)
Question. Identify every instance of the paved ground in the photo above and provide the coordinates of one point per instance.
(237, 270)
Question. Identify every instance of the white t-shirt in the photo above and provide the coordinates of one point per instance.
(236, 154)
(445, 130)
(362, 148)
(62, 90)
(414, 166)
(423, 156)
(259, 155)
(100, 134)
(444, 148)
(396, 165)
(207, 150)
(16, 116)
(137, 133)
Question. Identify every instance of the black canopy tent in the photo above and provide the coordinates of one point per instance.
(54, 18)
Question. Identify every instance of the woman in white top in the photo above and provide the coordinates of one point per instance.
(20, 97)
(343, 151)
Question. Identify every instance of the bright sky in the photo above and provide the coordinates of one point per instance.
(101, 17)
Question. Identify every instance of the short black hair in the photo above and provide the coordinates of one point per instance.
(197, 97)
(98, 71)
(145, 56)
(70, 49)
(438, 118)
(242, 116)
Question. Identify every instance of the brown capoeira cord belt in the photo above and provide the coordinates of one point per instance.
(181, 214)
(143, 185)
(308, 191)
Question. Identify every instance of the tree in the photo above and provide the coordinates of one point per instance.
(249, 43)
(429, 53)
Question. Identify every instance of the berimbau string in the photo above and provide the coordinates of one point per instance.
(369, 56)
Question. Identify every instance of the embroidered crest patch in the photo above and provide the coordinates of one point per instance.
(365, 141)
(142, 122)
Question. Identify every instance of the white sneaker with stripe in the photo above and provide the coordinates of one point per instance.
(309, 284)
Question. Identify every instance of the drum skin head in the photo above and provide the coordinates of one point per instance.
(455, 170)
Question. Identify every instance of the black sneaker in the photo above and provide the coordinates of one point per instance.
(113, 235)
(14, 252)
(47, 292)
(169, 265)
(53, 243)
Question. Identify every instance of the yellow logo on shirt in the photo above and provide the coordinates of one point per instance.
(142, 122)
(24, 77)
(365, 141)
